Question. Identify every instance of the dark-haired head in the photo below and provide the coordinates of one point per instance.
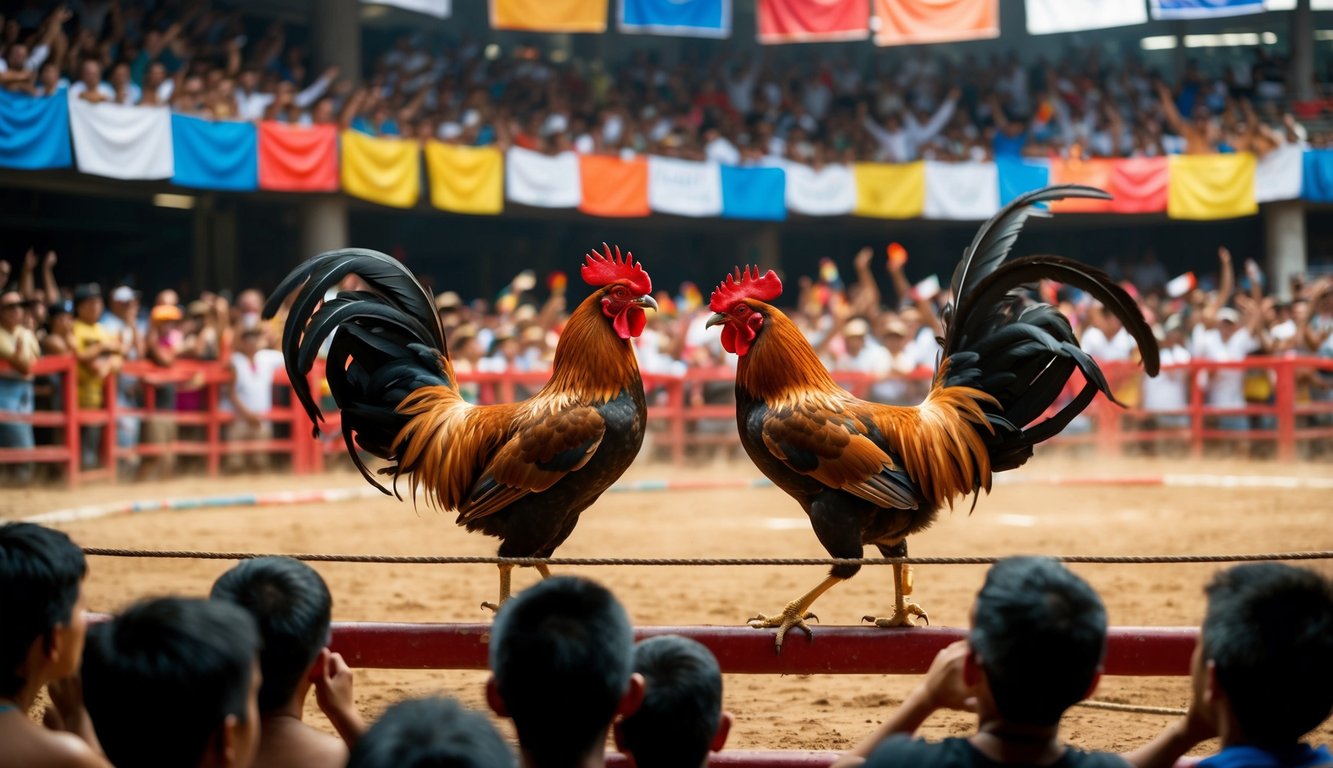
(431, 733)
(561, 657)
(1039, 632)
(681, 717)
(292, 608)
(1270, 626)
(41, 571)
(171, 679)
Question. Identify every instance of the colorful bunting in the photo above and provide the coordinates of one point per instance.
(1019, 176)
(1163, 10)
(1204, 187)
(812, 21)
(1139, 185)
(754, 193)
(549, 15)
(121, 142)
(34, 131)
(961, 191)
(1317, 176)
(614, 187)
(293, 158)
(465, 179)
(914, 22)
(215, 154)
(684, 187)
(826, 191)
(384, 171)
(886, 191)
(1278, 175)
(686, 18)
(1091, 172)
(532, 178)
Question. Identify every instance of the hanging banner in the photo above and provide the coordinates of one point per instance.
(885, 191)
(614, 187)
(913, 22)
(120, 141)
(812, 21)
(1204, 187)
(34, 131)
(1164, 10)
(532, 178)
(1050, 16)
(1317, 176)
(754, 193)
(384, 171)
(684, 187)
(549, 15)
(1018, 177)
(1278, 175)
(214, 154)
(1139, 185)
(961, 191)
(465, 179)
(1091, 172)
(683, 18)
(294, 158)
(437, 8)
(828, 191)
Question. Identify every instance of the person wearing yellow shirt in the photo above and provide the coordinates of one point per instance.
(99, 355)
(18, 352)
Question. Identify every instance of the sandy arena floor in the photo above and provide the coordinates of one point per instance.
(820, 712)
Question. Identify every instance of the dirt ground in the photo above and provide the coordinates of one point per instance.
(816, 712)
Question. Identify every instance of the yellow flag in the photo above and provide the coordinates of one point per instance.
(1204, 187)
(384, 171)
(465, 179)
(549, 15)
(886, 191)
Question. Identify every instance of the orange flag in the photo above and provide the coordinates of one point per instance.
(912, 22)
(614, 187)
(549, 15)
(1094, 172)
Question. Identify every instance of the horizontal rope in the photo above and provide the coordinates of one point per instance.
(180, 554)
(1137, 709)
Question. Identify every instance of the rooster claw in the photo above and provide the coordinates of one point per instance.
(784, 622)
(902, 617)
(492, 607)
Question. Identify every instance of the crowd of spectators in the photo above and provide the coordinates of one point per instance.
(226, 678)
(896, 106)
(879, 335)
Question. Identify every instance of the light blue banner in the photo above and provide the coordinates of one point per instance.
(1018, 177)
(754, 193)
(34, 131)
(686, 18)
(1204, 9)
(215, 155)
(1317, 178)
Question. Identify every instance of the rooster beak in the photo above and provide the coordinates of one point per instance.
(645, 301)
(717, 319)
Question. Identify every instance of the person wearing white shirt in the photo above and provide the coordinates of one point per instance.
(1228, 342)
(90, 86)
(900, 139)
(250, 397)
(1169, 391)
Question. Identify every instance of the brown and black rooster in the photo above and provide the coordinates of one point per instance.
(522, 472)
(867, 473)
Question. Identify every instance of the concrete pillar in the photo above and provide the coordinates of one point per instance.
(323, 225)
(335, 36)
(1287, 252)
(1302, 51)
(765, 247)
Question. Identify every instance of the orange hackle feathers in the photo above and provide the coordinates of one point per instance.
(745, 285)
(605, 268)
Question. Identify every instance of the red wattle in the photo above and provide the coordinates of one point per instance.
(630, 322)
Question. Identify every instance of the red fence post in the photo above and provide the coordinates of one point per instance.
(70, 392)
(1285, 405)
(1196, 409)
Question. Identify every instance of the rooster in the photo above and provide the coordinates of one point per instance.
(522, 472)
(867, 473)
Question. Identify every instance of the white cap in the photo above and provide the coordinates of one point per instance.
(123, 293)
(1228, 315)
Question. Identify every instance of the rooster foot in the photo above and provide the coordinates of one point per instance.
(902, 616)
(492, 607)
(790, 617)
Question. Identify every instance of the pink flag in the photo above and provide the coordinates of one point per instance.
(812, 21)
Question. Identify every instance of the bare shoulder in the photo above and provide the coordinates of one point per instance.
(32, 746)
(295, 743)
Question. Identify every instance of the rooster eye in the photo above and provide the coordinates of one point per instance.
(619, 292)
(741, 309)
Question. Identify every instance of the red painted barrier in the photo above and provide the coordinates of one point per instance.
(1131, 651)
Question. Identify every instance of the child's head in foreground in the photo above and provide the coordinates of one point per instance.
(42, 626)
(681, 718)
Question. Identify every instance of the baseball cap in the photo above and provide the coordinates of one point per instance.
(1228, 315)
(86, 291)
(122, 293)
(856, 327)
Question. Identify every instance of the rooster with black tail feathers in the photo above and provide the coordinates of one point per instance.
(522, 472)
(872, 474)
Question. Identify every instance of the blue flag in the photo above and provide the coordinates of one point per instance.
(688, 18)
(34, 131)
(1021, 176)
(1317, 177)
(215, 155)
(754, 193)
(1204, 9)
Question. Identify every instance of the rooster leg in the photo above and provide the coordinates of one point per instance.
(796, 612)
(505, 570)
(544, 570)
(903, 609)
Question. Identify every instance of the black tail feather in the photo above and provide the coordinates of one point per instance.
(386, 341)
(1021, 353)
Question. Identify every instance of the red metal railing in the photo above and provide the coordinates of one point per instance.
(680, 418)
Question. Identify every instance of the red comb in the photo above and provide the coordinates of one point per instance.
(745, 285)
(605, 268)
